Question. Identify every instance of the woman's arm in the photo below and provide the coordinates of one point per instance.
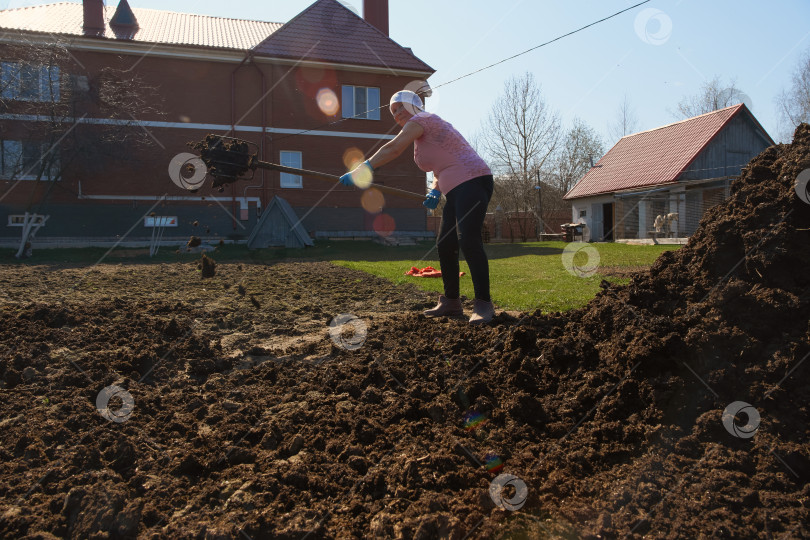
(393, 148)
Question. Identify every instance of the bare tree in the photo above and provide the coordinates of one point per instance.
(44, 99)
(625, 122)
(519, 135)
(794, 103)
(579, 148)
(713, 95)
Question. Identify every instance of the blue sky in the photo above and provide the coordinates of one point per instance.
(683, 43)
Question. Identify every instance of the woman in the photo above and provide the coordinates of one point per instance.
(466, 181)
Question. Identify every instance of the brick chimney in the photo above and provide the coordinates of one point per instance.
(375, 12)
(93, 17)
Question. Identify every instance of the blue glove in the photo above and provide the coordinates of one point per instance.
(347, 180)
(432, 200)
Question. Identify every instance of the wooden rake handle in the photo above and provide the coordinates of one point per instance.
(332, 178)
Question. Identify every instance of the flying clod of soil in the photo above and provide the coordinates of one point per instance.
(226, 159)
(208, 266)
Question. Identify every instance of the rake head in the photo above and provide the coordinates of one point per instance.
(227, 159)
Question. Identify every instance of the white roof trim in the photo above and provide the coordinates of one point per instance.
(223, 128)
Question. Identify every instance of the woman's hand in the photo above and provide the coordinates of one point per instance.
(432, 199)
(363, 168)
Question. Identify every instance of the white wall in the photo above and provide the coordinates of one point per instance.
(587, 204)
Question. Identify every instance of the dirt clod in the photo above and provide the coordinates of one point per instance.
(209, 266)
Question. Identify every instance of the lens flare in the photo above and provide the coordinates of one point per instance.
(493, 463)
(384, 225)
(362, 177)
(327, 101)
(474, 420)
(352, 158)
(372, 201)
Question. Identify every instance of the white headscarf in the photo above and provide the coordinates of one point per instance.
(411, 100)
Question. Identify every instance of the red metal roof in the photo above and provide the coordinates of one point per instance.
(155, 26)
(653, 157)
(328, 31)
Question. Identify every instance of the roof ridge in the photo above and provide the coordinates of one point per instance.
(136, 9)
(197, 15)
(282, 37)
(683, 121)
(38, 6)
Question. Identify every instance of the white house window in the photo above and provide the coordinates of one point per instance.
(28, 82)
(361, 102)
(291, 159)
(22, 160)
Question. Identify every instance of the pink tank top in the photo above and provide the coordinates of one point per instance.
(444, 151)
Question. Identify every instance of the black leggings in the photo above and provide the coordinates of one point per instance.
(462, 223)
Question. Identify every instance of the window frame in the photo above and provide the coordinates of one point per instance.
(349, 98)
(32, 148)
(45, 87)
(288, 180)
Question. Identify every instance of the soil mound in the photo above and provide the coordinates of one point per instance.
(613, 414)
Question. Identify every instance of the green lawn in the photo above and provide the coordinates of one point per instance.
(524, 276)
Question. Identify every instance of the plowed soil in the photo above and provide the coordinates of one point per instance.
(250, 419)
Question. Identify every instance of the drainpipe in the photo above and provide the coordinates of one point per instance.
(262, 154)
(263, 187)
(233, 130)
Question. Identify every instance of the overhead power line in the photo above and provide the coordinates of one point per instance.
(543, 44)
(364, 114)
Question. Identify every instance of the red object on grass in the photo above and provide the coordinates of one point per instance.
(427, 271)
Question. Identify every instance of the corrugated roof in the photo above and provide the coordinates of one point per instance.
(155, 26)
(653, 157)
(328, 31)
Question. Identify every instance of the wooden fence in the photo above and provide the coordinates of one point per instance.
(514, 226)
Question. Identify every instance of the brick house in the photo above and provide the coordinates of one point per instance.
(684, 168)
(310, 94)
